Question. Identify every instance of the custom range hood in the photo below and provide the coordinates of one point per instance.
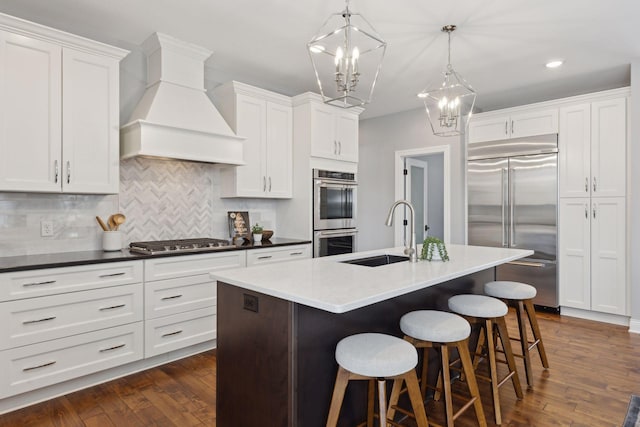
(175, 119)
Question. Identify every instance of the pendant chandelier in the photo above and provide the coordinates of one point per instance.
(347, 55)
(450, 105)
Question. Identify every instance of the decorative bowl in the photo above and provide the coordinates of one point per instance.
(267, 234)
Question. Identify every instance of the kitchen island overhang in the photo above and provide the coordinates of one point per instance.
(278, 326)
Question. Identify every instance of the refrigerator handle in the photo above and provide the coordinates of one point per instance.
(512, 227)
(503, 207)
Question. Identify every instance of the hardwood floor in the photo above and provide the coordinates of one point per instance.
(595, 368)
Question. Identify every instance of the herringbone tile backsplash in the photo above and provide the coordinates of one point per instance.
(162, 199)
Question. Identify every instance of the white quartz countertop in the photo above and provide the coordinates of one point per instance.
(328, 284)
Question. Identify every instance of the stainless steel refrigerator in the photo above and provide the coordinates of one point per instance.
(513, 202)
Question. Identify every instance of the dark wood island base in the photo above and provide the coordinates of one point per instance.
(275, 358)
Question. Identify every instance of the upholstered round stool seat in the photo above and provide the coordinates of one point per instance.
(435, 326)
(509, 290)
(477, 306)
(376, 355)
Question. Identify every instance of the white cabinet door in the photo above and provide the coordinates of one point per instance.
(90, 115)
(608, 147)
(279, 150)
(347, 136)
(323, 132)
(30, 114)
(251, 177)
(574, 253)
(608, 269)
(537, 122)
(490, 129)
(574, 150)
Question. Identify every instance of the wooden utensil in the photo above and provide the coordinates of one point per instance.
(102, 224)
(118, 219)
(112, 223)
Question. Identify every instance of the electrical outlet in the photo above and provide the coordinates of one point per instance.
(46, 228)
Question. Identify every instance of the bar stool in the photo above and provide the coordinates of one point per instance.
(438, 329)
(489, 313)
(521, 295)
(378, 357)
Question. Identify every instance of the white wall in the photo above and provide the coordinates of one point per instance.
(380, 138)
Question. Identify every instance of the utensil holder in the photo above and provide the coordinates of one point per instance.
(112, 240)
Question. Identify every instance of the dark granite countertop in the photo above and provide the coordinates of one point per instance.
(67, 259)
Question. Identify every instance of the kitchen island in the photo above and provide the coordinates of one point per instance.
(278, 326)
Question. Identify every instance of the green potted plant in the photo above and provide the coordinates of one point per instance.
(256, 230)
(433, 249)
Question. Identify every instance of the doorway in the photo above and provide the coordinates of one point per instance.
(423, 178)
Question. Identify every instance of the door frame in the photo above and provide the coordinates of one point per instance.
(400, 155)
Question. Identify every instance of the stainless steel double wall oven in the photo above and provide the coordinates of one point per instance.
(334, 212)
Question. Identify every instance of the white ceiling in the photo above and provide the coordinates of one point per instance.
(500, 46)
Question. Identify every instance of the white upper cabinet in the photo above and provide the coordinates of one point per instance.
(31, 114)
(90, 131)
(592, 149)
(517, 124)
(265, 119)
(60, 111)
(334, 133)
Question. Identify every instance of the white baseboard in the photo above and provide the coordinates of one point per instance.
(634, 326)
(614, 319)
(19, 401)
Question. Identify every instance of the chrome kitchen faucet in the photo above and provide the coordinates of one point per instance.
(412, 249)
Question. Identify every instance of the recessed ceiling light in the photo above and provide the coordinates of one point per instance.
(554, 64)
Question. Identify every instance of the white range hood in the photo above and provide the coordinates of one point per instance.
(175, 119)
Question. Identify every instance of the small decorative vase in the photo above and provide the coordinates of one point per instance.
(257, 237)
(435, 252)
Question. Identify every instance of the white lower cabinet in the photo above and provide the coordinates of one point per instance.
(180, 299)
(38, 365)
(592, 248)
(278, 254)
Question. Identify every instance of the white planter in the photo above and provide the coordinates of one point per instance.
(257, 237)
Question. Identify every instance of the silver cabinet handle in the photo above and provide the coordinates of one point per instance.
(111, 307)
(44, 319)
(586, 184)
(502, 204)
(506, 129)
(512, 127)
(586, 211)
(512, 192)
(111, 275)
(55, 167)
(594, 211)
(168, 334)
(31, 368)
(115, 347)
(340, 147)
(295, 253)
(48, 282)
(335, 147)
(265, 257)
(68, 172)
(171, 297)
(527, 264)
(264, 183)
(269, 184)
(595, 184)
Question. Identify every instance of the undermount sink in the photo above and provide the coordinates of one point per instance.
(377, 260)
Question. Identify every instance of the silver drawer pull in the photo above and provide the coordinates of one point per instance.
(527, 264)
(168, 334)
(111, 275)
(48, 282)
(111, 307)
(171, 297)
(295, 253)
(265, 257)
(27, 322)
(115, 347)
(31, 368)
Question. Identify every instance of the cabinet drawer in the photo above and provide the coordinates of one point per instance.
(178, 331)
(39, 365)
(41, 319)
(286, 253)
(191, 265)
(172, 296)
(49, 281)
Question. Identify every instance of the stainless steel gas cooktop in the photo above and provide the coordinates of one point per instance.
(179, 245)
